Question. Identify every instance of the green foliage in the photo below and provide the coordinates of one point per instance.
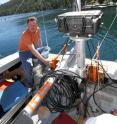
(114, 0)
(23, 6)
(100, 1)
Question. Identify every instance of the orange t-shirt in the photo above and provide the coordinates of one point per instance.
(29, 37)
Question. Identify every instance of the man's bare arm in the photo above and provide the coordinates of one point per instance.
(37, 54)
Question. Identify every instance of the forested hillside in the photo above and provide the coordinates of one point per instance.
(20, 6)
(23, 6)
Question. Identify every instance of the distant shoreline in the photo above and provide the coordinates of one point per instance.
(101, 6)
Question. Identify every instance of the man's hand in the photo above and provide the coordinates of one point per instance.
(46, 62)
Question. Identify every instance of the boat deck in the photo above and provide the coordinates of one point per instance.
(46, 117)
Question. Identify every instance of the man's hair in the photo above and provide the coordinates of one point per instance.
(31, 19)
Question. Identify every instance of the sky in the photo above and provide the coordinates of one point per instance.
(3, 1)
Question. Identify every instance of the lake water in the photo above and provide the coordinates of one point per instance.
(11, 28)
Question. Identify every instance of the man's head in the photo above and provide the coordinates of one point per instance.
(32, 23)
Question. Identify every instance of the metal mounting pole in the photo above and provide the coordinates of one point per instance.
(79, 4)
(80, 54)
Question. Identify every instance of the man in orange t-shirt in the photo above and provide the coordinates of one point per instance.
(28, 49)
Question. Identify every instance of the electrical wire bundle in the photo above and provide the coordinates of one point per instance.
(108, 83)
(64, 92)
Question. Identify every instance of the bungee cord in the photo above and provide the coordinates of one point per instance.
(45, 31)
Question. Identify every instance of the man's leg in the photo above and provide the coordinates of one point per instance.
(27, 67)
(28, 73)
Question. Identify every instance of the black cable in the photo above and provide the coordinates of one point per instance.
(109, 84)
(64, 92)
(96, 102)
(68, 72)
